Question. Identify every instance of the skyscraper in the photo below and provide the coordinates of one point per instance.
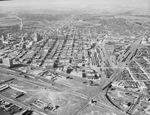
(3, 38)
(35, 37)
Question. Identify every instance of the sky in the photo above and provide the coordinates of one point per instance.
(5, 5)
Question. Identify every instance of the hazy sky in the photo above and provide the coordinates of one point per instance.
(144, 4)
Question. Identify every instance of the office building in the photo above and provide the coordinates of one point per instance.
(35, 37)
(3, 38)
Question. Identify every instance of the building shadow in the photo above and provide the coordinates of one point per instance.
(18, 65)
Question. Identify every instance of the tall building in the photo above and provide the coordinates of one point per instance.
(54, 34)
(23, 45)
(1, 60)
(23, 38)
(2, 38)
(8, 62)
(8, 35)
(35, 37)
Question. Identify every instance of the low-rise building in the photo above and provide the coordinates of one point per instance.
(8, 62)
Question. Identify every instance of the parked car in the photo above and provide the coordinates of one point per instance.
(68, 77)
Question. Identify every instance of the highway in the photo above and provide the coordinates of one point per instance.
(125, 60)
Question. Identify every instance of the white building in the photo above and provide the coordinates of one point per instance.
(35, 37)
(8, 62)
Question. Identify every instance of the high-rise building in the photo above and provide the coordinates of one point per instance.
(23, 46)
(54, 34)
(8, 35)
(2, 38)
(23, 38)
(35, 37)
(1, 60)
(8, 62)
